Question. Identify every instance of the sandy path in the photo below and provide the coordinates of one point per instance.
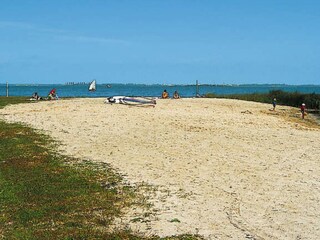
(229, 170)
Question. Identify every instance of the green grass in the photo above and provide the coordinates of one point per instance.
(44, 195)
(294, 99)
(12, 100)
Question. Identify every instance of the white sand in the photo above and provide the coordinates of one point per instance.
(224, 168)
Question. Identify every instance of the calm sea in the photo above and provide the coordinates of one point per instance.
(103, 90)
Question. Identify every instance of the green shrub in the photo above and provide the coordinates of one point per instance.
(294, 99)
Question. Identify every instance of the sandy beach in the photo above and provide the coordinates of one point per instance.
(224, 169)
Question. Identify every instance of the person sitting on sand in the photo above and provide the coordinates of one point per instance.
(176, 95)
(165, 94)
(35, 96)
(53, 94)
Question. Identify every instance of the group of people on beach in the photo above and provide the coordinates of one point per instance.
(51, 96)
(303, 108)
(165, 95)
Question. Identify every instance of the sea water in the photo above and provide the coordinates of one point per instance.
(155, 90)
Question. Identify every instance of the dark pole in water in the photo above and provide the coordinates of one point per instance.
(197, 90)
(7, 89)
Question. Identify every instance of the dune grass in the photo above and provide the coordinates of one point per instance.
(294, 99)
(44, 195)
(11, 100)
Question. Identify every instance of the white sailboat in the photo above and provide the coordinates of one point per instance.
(92, 86)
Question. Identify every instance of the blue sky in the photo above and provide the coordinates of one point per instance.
(160, 41)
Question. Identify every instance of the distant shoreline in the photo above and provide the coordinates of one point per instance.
(107, 90)
(168, 85)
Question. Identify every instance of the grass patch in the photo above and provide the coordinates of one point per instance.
(42, 198)
(294, 99)
(11, 100)
(44, 195)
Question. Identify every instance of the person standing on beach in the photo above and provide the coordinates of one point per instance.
(303, 110)
(274, 103)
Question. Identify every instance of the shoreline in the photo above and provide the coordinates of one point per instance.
(219, 167)
(153, 89)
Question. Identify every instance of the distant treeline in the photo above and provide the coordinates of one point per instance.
(294, 99)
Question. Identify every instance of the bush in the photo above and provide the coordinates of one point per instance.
(294, 99)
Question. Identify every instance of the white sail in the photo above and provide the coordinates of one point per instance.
(92, 86)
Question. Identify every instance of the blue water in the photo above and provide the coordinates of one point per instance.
(148, 90)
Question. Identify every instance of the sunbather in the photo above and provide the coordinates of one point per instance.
(53, 94)
(176, 95)
(35, 96)
(165, 94)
